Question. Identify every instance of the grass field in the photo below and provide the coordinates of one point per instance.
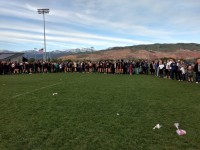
(84, 113)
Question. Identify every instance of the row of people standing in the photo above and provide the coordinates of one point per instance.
(118, 67)
(169, 69)
(176, 70)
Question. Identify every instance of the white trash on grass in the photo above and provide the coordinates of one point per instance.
(158, 126)
(117, 114)
(176, 125)
(55, 94)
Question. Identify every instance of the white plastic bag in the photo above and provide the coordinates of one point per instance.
(158, 126)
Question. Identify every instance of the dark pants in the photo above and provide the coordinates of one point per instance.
(182, 77)
(172, 74)
(197, 76)
(161, 73)
(178, 75)
(1, 71)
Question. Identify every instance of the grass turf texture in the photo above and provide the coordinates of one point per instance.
(84, 113)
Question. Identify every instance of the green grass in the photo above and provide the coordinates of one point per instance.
(84, 113)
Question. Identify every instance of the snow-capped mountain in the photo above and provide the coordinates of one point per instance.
(5, 51)
(51, 54)
(77, 50)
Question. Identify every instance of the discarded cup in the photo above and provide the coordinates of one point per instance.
(158, 126)
(117, 114)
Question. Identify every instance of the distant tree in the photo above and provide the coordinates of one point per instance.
(92, 48)
(49, 59)
(68, 60)
(54, 60)
(31, 60)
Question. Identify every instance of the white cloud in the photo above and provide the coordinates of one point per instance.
(101, 23)
(78, 38)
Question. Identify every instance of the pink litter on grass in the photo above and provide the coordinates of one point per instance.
(180, 132)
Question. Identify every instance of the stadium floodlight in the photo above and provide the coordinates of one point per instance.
(44, 11)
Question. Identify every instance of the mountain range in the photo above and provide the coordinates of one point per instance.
(51, 54)
(149, 51)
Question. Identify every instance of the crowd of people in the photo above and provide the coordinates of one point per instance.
(169, 69)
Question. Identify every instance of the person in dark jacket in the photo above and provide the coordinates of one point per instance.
(173, 68)
(137, 67)
(1, 68)
(152, 70)
(197, 70)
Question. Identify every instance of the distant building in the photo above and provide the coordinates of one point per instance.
(12, 57)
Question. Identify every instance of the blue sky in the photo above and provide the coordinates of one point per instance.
(97, 23)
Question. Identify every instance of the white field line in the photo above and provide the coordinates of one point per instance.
(35, 90)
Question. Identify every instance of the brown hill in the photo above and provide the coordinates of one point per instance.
(134, 54)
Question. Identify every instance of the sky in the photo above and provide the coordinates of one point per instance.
(100, 24)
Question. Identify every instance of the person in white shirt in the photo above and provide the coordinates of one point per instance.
(161, 69)
(167, 70)
(75, 66)
(183, 71)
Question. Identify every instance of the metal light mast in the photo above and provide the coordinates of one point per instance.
(44, 11)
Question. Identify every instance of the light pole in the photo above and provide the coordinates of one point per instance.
(44, 11)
